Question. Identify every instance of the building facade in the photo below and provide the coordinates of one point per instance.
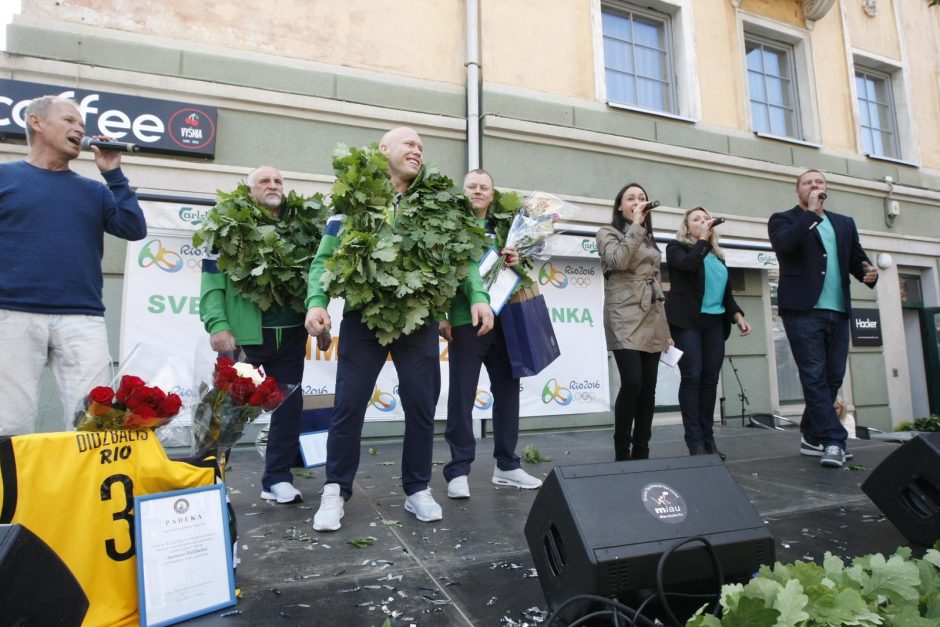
(714, 103)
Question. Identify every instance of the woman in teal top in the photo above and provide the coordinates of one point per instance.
(700, 311)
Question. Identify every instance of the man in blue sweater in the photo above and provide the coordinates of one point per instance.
(52, 225)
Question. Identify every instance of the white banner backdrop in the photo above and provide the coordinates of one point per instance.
(161, 307)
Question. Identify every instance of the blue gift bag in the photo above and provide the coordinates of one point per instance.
(530, 338)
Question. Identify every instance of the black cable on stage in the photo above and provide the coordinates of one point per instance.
(617, 609)
(716, 564)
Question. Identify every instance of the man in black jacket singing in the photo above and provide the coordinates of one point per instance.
(817, 251)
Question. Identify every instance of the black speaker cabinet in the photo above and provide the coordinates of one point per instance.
(601, 528)
(906, 487)
(36, 587)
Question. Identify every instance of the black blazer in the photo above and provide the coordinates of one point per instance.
(802, 256)
(686, 264)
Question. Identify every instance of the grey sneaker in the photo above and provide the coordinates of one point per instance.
(833, 457)
(813, 450)
(816, 450)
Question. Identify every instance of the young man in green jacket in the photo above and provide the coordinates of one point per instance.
(468, 353)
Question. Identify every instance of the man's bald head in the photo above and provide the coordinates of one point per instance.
(405, 153)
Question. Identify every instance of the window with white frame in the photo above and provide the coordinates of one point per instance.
(771, 80)
(876, 114)
(638, 63)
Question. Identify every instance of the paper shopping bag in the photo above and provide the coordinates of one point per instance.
(530, 338)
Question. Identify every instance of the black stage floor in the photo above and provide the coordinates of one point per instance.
(474, 567)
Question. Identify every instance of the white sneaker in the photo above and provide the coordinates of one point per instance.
(282, 492)
(331, 509)
(458, 488)
(517, 478)
(423, 506)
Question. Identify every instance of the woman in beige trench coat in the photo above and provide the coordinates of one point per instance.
(634, 317)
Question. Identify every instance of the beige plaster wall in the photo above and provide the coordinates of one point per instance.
(719, 60)
(786, 11)
(543, 45)
(878, 34)
(921, 25)
(416, 38)
(833, 83)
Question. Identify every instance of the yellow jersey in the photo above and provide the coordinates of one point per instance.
(75, 490)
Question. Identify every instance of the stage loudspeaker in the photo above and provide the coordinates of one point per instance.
(601, 528)
(36, 587)
(906, 487)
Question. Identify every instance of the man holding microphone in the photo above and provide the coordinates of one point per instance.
(52, 225)
(817, 251)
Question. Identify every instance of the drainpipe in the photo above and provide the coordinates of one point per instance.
(473, 84)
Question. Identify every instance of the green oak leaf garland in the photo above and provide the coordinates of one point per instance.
(401, 268)
(266, 257)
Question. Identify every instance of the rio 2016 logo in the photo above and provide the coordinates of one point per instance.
(576, 276)
(383, 401)
(483, 399)
(552, 391)
(154, 254)
(549, 274)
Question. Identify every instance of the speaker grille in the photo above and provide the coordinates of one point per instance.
(764, 553)
(618, 576)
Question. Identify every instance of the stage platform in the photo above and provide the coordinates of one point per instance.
(474, 567)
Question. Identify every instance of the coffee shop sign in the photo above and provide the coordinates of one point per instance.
(158, 125)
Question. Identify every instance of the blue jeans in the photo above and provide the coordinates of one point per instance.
(703, 351)
(468, 353)
(819, 340)
(361, 357)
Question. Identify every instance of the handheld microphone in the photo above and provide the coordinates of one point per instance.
(822, 196)
(651, 205)
(716, 222)
(88, 142)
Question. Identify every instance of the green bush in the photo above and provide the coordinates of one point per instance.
(931, 424)
(899, 591)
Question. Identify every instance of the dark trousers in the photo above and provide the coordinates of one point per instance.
(281, 354)
(819, 340)
(361, 358)
(633, 409)
(468, 352)
(703, 350)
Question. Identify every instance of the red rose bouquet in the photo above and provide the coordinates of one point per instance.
(134, 405)
(237, 396)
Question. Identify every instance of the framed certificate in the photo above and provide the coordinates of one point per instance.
(184, 555)
(502, 287)
(313, 448)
